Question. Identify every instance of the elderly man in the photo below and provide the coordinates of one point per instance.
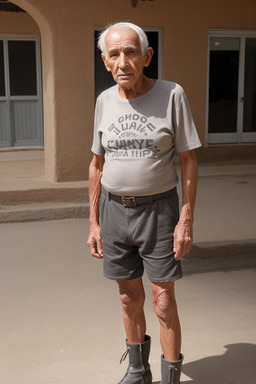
(134, 211)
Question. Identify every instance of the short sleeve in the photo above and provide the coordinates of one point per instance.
(97, 147)
(186, 137)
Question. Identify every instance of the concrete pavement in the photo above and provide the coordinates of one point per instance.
(61, 320)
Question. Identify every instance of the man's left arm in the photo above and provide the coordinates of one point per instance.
(183, 234)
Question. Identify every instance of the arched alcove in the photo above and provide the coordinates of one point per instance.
(33, 9)
(68, 86)
(21, 112)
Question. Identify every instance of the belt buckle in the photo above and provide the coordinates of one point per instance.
(128, 202)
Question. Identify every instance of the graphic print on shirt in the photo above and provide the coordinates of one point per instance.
(130, 140)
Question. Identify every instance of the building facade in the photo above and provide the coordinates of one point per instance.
(50, 72)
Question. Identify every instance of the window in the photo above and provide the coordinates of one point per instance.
(22, 68)
(231, 113)
(21, 121)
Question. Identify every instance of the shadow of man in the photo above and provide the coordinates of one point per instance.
(236, 366)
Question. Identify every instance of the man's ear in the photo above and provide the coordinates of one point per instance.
(105, 62)
(148, 56)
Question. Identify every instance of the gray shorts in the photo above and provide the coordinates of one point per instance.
(139, 237)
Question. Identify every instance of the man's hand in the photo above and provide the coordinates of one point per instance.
(94, 241)
(182, 239)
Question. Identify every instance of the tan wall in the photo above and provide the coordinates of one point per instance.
(17, 23)
(68, 64)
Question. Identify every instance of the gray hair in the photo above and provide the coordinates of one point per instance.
(123, 25)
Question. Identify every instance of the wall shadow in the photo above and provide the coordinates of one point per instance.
(235, 366)
(221, 258)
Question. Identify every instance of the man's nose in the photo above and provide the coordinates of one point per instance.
(123, 62)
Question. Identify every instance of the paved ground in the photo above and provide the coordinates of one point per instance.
(61, 320)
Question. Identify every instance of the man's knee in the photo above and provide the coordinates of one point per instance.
(132, 295)
(164, 302)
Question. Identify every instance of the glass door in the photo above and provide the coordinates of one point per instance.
(232, 89)
(21, 121)
(223, 89)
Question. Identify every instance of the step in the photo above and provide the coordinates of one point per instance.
(40, 195)
(43, 212)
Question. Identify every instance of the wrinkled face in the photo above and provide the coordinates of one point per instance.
(124, 57)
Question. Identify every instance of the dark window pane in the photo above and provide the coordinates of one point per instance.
(22, 67)
(223, 91)
(152, 70)
(2, 80)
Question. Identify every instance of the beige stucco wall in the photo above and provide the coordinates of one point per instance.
(66, 30)
(17, 23)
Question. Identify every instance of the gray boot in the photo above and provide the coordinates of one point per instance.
(171, 370)
(138, 371)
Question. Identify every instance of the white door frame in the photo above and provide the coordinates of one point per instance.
(9, 99)
(239, 136)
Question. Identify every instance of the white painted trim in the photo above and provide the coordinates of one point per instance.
(40, 91)
(207, 94)
(231, 33)
(19, 37)
(6, 61)
(8, 98)
(7, 93)
(248, 137)
(240, 93)
(222, 138)
(239, 136)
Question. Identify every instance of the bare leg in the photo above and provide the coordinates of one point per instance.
(166, 310)
(132, 297)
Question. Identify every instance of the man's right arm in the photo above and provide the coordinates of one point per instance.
(94, 239)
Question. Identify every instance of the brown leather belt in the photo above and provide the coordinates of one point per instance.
(133, 201)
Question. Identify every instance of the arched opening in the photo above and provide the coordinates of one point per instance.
(35, 23)
(21, 115)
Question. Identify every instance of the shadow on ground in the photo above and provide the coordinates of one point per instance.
(226, 258)
(236, 366)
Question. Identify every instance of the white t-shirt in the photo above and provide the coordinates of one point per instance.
(138, 138)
